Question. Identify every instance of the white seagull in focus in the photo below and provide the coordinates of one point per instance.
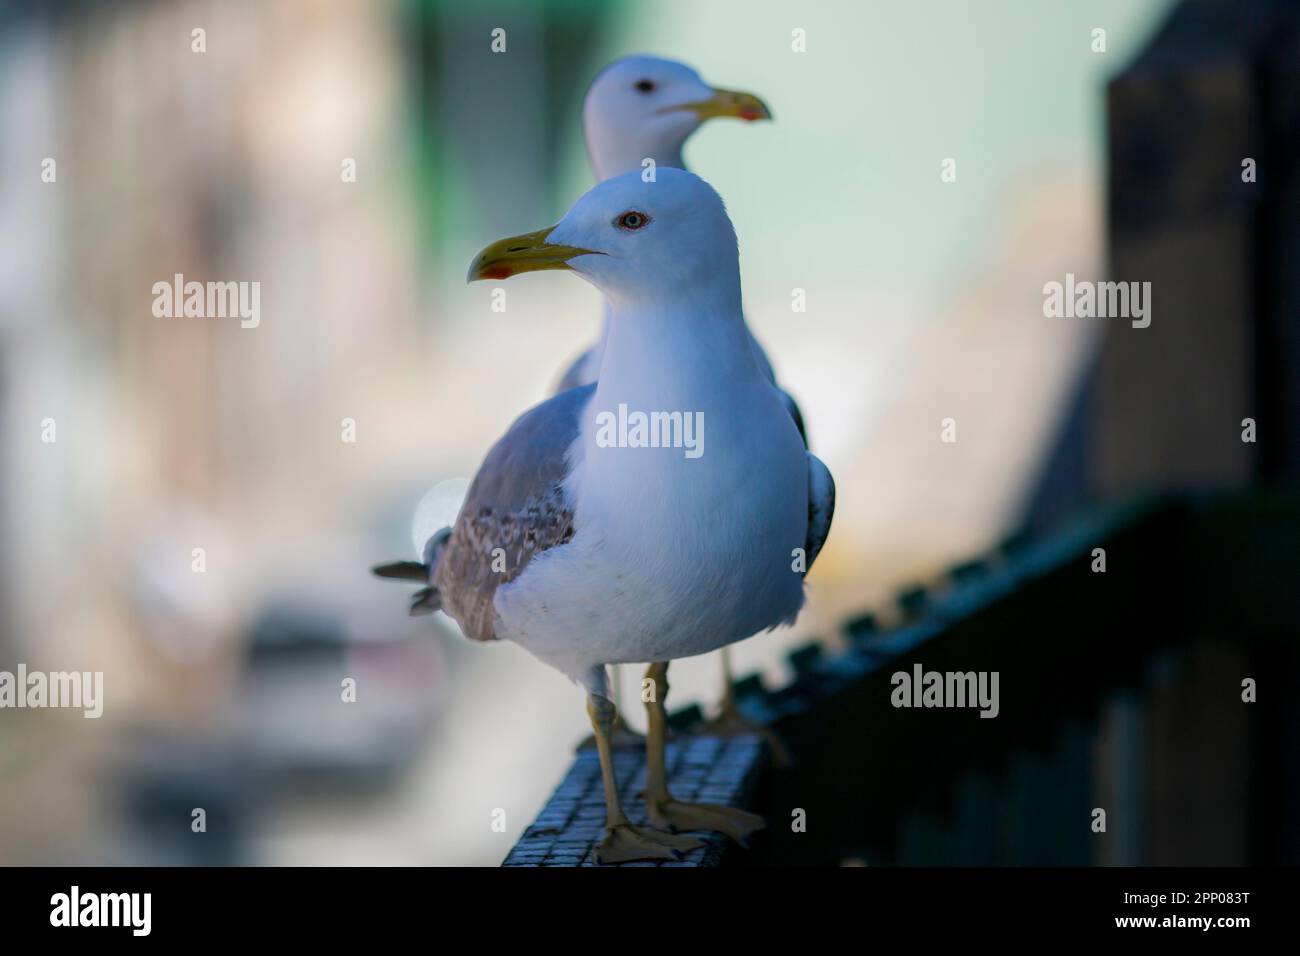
(589, 553)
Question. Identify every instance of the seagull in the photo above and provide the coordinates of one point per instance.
(638, 113)
(591, 545)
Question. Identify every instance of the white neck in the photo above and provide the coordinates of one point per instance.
(617, 155)
(676, 353)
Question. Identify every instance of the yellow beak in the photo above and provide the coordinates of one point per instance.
(744, 106)
(527, 253)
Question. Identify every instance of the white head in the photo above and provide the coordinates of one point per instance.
(637, 242)
(644, 107)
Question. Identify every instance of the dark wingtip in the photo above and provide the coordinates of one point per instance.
(425, 601)
(402, 571)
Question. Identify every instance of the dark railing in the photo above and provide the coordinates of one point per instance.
(1118, 690)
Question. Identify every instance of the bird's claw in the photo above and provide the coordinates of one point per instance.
(738, 824)
(624, 843)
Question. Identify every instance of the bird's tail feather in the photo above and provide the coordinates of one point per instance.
(427, 599)
(402, 571)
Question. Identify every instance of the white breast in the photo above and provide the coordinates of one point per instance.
(672, 556)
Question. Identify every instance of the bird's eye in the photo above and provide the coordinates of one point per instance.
(644, 86)
(632, 220)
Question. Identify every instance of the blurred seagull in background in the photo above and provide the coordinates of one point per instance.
(640, 110)
(589, 552)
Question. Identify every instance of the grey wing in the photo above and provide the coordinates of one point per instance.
(793, 408)
(515, 509)
(575, 375)
(821, 508)
(765, 366)
(764, 363)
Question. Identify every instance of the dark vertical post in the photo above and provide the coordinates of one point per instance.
(1211, 104)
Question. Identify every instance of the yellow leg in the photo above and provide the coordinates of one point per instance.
(624, 842)
(728, 682)
(660, 805)
(730, 722)
(621, 736)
